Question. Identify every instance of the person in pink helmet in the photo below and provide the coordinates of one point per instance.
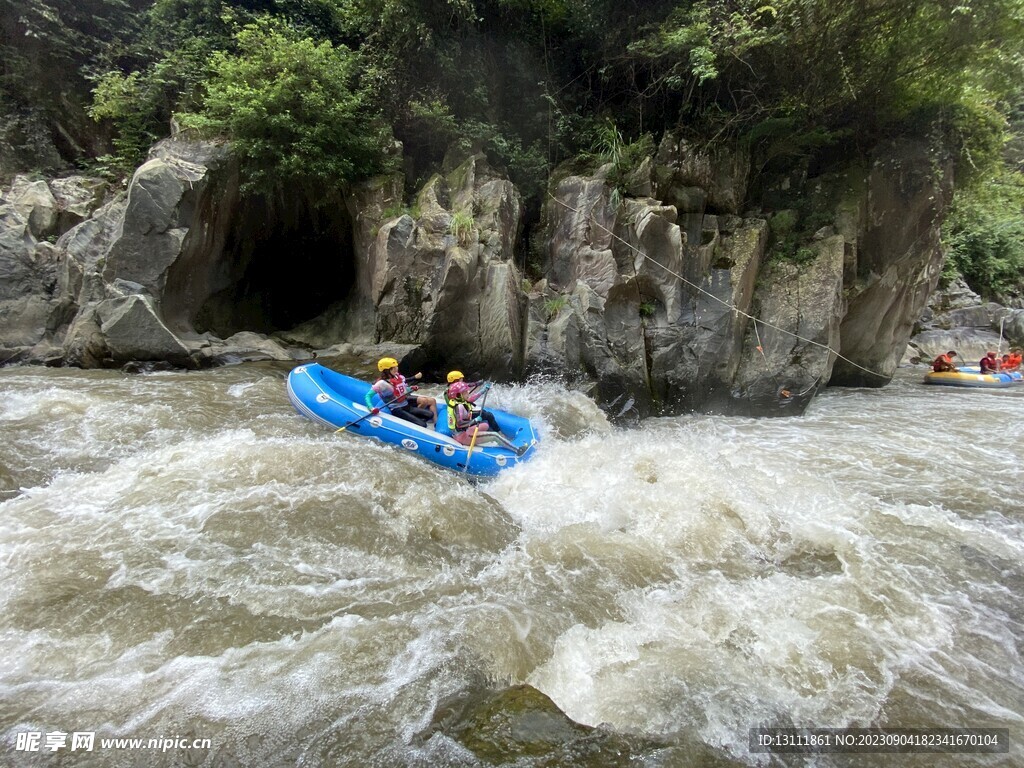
(468, 422)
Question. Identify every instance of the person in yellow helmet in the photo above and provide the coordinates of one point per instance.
(469, 422)
(391, 393)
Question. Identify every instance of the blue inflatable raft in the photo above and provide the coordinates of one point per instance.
(1016, 377)
(336, 400)
(967, 378)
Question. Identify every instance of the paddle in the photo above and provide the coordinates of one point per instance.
(373, 412)
(480, 408)
(518, 451)
(487, 388)
(487, 391)
(469, 453)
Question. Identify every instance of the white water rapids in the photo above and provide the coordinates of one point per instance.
(183, 556)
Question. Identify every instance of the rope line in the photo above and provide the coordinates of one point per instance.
(760, 348)
(723, 302)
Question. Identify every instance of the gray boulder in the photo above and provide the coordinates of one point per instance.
(29, 299)
(1013, 327)
(957, 319)
(898, 261)
(681, 309)
(970, 344)
(77, 197)
(243, 347)
(116, 265)
(956, 295)
(988, 315)
(632, 304)
(716, 322)
(692, 179)
(786, 357)
(162, 200)
(446, 279)
(84, 343)
(133, 330)
(581, 225)
(83, 250)
(34, 202)
(18, 271)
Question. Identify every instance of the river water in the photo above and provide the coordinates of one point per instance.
(184, 557)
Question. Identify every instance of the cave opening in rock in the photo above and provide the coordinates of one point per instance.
(283, 263)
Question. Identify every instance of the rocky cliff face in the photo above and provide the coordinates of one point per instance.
(898, 261)
(957, 319)
(665, 293)
(682, 303)
(35, 298)
(444, 276)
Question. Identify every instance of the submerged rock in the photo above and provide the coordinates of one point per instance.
(521, 723)
(521, 726)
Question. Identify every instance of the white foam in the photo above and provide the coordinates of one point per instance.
(697, 575)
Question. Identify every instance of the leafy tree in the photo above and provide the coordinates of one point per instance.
(794, 74)
(292, 110)
(158, 72)
(985, 237)
(47, 49)
(531, 82)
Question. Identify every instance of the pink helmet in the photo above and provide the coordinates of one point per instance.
(458, 388)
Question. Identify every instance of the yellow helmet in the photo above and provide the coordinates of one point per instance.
(455, 376)
(386, 364)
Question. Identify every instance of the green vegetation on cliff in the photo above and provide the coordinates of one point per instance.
(313, 91)
(287, 104)
(985, 237)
